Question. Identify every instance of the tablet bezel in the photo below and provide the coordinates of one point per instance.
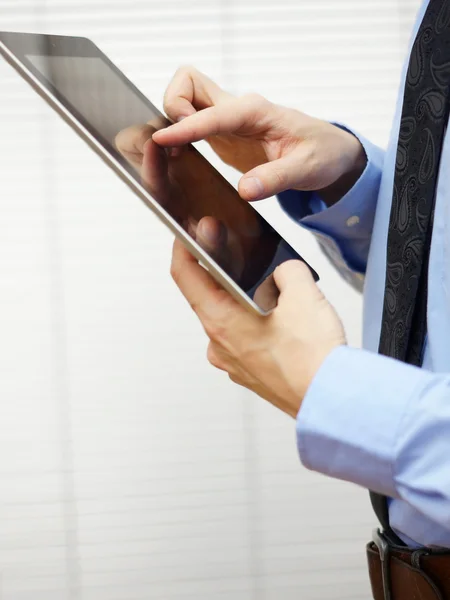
(16, 46)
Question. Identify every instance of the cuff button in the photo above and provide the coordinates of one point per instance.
(352, 221)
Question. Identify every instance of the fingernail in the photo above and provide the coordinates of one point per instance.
(253, 187)
(180, 118)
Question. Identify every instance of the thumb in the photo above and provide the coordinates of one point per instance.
(295, 274)
(290, 171)
(179, 109)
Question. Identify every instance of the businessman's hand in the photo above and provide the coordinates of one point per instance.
(275, 147)
(276, 356)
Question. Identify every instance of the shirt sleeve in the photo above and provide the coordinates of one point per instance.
(344, 230)
(381, 424)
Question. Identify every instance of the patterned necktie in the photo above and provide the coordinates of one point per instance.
(423, 124)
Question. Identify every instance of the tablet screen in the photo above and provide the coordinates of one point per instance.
(244, 245)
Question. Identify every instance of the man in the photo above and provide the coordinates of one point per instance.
(378, 417)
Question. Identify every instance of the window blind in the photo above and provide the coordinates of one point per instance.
(129, 468)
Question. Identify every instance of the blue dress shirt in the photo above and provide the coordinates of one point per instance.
(368, 419)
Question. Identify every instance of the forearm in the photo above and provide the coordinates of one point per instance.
(383, 425)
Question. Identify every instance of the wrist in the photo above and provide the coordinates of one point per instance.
(354, 162)
(300, 374)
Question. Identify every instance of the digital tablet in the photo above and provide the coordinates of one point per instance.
(182, 188)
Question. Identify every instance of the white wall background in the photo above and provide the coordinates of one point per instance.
(129, 468)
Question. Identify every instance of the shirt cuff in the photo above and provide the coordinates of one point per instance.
(349, 222)
(348, 423)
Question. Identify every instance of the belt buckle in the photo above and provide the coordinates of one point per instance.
(382, 544)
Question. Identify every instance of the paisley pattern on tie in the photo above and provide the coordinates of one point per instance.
(422, 128)
(423, 124)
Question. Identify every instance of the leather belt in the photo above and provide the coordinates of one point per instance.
(400, 573)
